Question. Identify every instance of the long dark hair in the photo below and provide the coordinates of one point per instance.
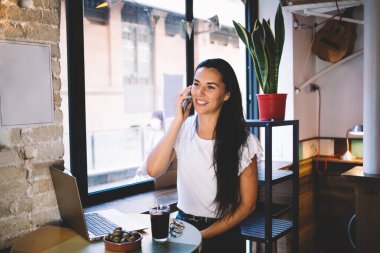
(230, 135)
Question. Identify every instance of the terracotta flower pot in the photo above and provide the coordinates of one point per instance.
(271, 106)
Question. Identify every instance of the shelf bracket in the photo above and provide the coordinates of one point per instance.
(324, 9)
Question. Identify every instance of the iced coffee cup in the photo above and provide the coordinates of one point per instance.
(159, 218)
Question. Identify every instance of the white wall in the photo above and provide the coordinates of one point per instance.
(305, 103)
(341, 89)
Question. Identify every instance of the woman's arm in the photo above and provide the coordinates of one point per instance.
(163, 153)
(248, 192)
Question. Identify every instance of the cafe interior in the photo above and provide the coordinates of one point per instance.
(87, 89)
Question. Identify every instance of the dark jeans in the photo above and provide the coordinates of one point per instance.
(229, 242)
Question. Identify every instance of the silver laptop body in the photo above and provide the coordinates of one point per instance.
(71, 211)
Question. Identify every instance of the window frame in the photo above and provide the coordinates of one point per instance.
(76, 98)
(251, 14)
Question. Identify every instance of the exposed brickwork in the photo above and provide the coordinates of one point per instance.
(56, 67)
(10, 137)
(42, 134)
(57, 84)
(58, 115)
(14, 12)
(10, 174)
(14, 226)
(55, 52)
(44, 216)
(11, 157)
(46, 4)
(27, 199)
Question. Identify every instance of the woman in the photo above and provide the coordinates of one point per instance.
(216, 158)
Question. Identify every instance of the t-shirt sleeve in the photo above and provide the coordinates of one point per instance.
(252, 148)
(180, 134)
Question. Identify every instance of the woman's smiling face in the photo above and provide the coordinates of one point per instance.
(208, 91)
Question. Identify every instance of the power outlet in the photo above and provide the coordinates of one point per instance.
(312, 87)
(313, 149)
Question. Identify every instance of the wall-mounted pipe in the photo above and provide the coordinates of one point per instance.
(323, 15)
(328, 69)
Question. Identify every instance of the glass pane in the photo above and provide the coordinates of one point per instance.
(126, 59)
(128, 62)
(213, 41)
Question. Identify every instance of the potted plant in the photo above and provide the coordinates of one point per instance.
(265, 48)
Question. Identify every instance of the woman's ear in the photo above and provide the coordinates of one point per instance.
(227, 96)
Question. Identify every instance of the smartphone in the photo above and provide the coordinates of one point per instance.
(185, 103)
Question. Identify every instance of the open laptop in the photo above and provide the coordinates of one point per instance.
(94, 225)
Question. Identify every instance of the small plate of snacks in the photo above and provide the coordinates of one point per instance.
(121, 241)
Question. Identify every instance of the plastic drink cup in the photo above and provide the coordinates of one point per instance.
(159, 219)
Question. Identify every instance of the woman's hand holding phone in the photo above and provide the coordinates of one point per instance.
(184, 102)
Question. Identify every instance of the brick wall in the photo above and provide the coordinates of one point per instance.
(27, 199)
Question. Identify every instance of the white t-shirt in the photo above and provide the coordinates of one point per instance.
(196, 179)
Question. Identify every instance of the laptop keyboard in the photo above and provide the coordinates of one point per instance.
(98, 225)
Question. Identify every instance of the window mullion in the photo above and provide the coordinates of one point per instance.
(76, 94)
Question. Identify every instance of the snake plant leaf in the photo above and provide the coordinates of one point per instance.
(243, 34)
(262, 61)
(260, 64)
(265, 49)
(257, 71)
(260, 31)
(270, 50)
(280, 38)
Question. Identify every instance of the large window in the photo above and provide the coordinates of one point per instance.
(133, 68)
(220, 41)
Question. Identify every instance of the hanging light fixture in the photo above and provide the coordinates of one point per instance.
(188, 26)
(153, 18)
(215, 21)
(108, 3)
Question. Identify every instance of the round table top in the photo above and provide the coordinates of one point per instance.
(52, 239)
